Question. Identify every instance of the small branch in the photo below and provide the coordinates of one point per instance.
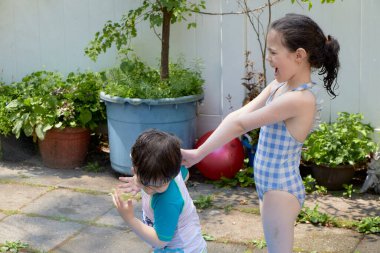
(239, 12)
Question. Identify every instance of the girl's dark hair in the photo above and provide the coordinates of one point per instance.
(299, 31)
(156, 157)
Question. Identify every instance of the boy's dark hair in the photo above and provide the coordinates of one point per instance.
(156, 157)
(300, 31)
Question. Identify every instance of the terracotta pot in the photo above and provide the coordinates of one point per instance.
(66, 148)
(333, 178)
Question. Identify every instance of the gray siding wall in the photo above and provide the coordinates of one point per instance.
(52, 35)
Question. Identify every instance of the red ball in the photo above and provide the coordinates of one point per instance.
(225, 161)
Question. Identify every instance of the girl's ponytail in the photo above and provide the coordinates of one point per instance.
(330, 66)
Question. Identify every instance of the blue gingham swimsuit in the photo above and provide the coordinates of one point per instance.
(277, 159)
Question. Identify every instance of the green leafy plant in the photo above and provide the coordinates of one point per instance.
(347, 141)
(349, 190)
(369, 225)
(160, 13)
(321, 190)
(7, 94)
(243, 178)
(93, 167)
(47, 101)
(312, 187)
(204, 201)
(208, 237)
(14, 247)
(260, 244)
(313, 216)
(134, 79)
(309, 183)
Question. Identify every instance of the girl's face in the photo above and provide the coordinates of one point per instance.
(280, 58)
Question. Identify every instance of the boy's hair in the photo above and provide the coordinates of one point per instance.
(156, 157)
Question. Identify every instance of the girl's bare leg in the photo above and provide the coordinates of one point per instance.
(279, 211)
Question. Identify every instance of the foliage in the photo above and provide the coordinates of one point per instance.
(134, 79)
(208, 237)
(349, 190)
(254, 134)
(310, 3)
(244, 178)
(369, 225)
(7, 94)
(159, 13)
(312, 187)
(253, 80)
(309, 182)
(204, 201)
(260, 244)
(347, 141)
(47, 101)
(93, 167)
(313, 216)
(13, 247)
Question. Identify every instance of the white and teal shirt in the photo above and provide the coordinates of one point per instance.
(174, 217)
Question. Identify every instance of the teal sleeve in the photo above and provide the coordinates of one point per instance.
(167, 208)
(184, 172)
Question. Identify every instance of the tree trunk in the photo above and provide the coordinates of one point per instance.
(165, 43)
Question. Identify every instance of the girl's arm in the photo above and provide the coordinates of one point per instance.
(287, 106)
(144, 231)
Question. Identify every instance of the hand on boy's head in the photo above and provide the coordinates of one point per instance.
(129, 185)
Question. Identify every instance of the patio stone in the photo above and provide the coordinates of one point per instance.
(99, 239)
(15, 196)
(69, 204)
(39, 233)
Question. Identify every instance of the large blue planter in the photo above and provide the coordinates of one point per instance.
(128, 117)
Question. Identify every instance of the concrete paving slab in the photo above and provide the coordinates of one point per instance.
(355, 208)
(39, 233)
(2, 215)
(214, 247)
(100, 240)
(70, 204)
(70, 178)
(112, 217)
(15, 196)
(237, 197)
(235, 226)
(323, 239)
(369, 244)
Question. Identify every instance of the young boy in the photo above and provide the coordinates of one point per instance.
(170, 221)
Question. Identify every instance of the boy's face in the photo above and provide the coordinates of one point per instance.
(151, 189)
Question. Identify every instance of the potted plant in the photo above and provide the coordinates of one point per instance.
(11, 149)
(58, 113)
(335, 150)
(139, 97)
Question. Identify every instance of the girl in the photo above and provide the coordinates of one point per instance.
(286, 110)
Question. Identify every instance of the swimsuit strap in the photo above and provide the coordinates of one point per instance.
(304, 86)
(273, 92)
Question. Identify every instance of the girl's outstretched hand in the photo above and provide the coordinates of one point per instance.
(129, 185)
(125, 208)
(190, 157)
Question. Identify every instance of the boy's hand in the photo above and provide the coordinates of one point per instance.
(129, 185)
(125, 209)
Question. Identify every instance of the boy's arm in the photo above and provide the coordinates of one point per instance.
(144, 231)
